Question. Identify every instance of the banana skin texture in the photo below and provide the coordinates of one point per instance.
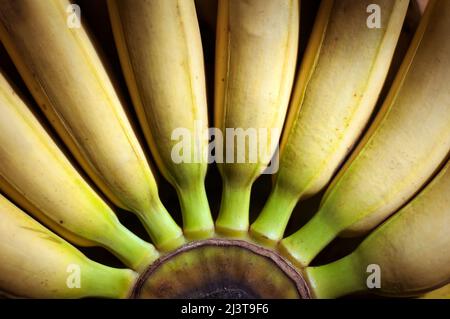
(256, 54)
(410, 249)
(36, 263)
(405, 145)
(70, 82)
(332, 102)
(35, 174)
(161, 54)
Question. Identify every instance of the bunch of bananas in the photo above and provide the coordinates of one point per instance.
(69, 162)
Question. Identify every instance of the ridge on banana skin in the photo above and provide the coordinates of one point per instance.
(256, 54)
(332, 102)
(35, 263)
(411, 250)
(68, 80)
(407, 142)
(161, 53)
(37, 175)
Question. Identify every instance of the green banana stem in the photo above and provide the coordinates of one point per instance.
(197, 219)
(306, 243)
(163, 230)
(337, 279)
(131, 250)
(234, 210)
(274, 217)
(107, 282)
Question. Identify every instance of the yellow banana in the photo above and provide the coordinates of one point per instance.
(256, 54)
(409, 253)
(37, 176)
(70, 83)
(404, 146)
(160, 50)
(38, 264)
(341, 76)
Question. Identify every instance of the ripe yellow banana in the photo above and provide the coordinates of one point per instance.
(38, 264)
(161, 54)
(341, 76)
(37, 176)
(411, 250)
(256, 53)
(407, 142)
(68, 80)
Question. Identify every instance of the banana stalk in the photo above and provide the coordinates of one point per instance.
(161, 54)
(37, 176)
(332, 102)
(405, 145)
(67, 78)
(36, 263)
(410, 251)
(256, 52)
